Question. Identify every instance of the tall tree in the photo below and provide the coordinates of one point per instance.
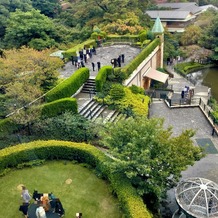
(50, 8)
(210, 37)
(26, 26)
(191, 35)
(19, 97)
(148, 154)
(28, 64)
(8, 6)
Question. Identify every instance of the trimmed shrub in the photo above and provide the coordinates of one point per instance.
(131, 38)
(130, 103)
(129, 68)
(137, 90)
(119, 75)
(130, 201)
(58, 107)
(117, 91)
(72, 51)
(69, 86)
(143, 36)
(189, 67)
(102, 76)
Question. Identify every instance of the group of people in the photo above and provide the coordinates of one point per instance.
(45, 203)
(173, 61)
(187, 93)
(82, 56)
(116, 62)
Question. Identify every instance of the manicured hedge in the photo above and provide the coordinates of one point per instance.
(189, 67)
(130, 201)
(58, 107)
(129, 68)
(69, 86)
(132, 38)
(102, 76)
(72, 51)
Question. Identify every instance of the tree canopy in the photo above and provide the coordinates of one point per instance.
(209, 39)
(6, 7)
(25, 27)
(50, 8)
(31, 65)
(148, 154)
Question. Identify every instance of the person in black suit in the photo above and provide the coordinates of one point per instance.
(59, 208)
(24, 209)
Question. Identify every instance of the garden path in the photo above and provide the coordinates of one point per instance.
(104, 56)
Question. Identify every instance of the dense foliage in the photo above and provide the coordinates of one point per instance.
(29, 66)
(124, 100)
(149, 155)
(67, 126)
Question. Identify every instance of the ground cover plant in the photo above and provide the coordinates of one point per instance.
(77, 187)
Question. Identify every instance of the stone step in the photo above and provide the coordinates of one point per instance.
(114, 116)
(89, 87)
(99, 113)
(120, 117)
(86, 107)
(92, 111)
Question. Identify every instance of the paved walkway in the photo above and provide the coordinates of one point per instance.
(104, 56)
(189, 118)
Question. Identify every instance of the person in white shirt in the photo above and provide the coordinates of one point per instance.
(40, 212)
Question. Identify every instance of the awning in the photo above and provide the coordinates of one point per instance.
(156, 75)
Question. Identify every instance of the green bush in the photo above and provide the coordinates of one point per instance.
(117, 91)
(129, 68)
(58, 107)
(72, 51)
(102, 76)
(7, 127)
(150, 35)
(143, 36)
(137, 90)
(130, 104)
(69, 86)
(130, 201)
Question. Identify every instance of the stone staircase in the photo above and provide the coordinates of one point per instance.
(89, 87)
(93, 111)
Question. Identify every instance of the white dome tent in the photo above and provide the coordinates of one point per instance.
(197, 197)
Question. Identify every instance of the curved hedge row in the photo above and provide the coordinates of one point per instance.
(57, 107)
(101, 77)
(189, 67)
(69, 86)
(127, 195)
(129, 68)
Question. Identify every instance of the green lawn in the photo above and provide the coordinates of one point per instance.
(86, 193)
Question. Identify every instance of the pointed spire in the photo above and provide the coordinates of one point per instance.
(158, 27)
